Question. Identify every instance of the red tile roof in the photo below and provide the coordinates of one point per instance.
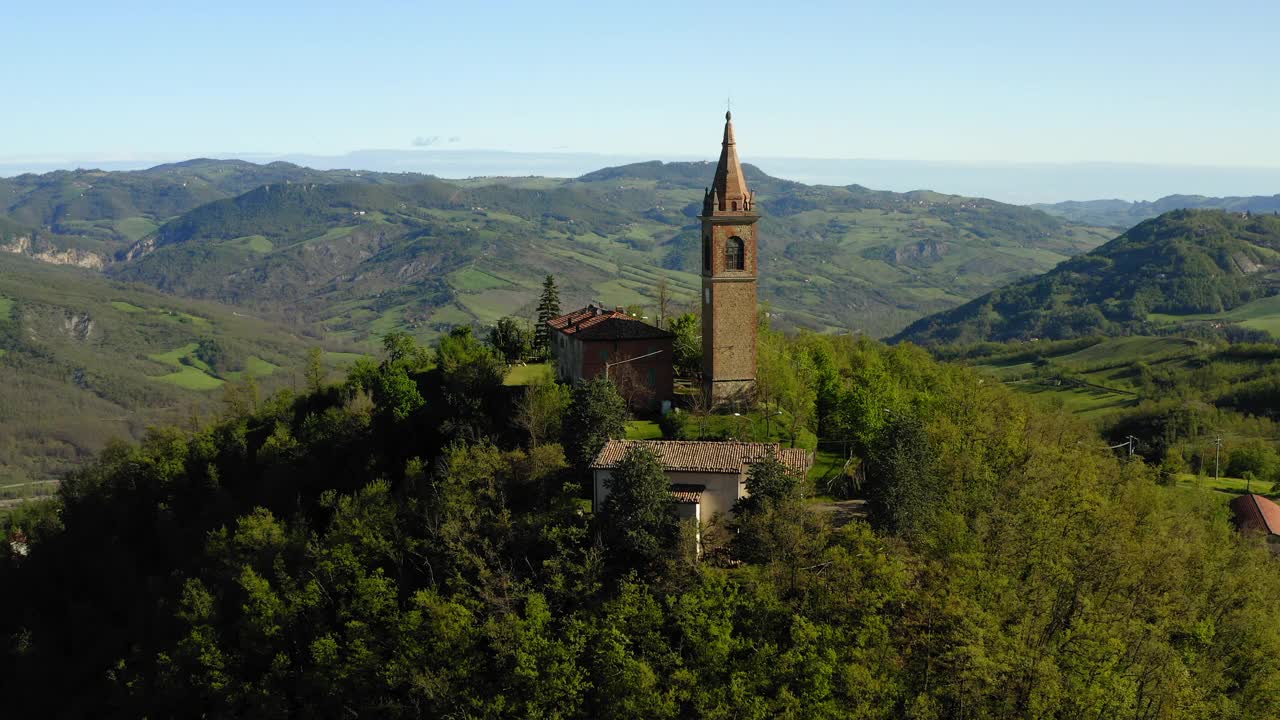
(702, 456)
(584, 318)
(688, 494)
(597, 323)
(1254, 512)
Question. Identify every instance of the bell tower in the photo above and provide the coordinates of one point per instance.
(729, 281)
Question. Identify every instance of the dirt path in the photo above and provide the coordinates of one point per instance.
(842, 512)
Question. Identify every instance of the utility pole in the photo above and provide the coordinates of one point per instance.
(1217, 453)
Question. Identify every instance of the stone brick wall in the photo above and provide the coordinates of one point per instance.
(729, 311)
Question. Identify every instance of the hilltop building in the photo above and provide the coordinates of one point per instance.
(729, 262)
(634, 354)
(707, 478)
(1255, 513)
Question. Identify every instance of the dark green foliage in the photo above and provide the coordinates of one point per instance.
(638, 523)
(906, 488)
(597, 413)
(1256, 458)
(1181, 263)
(511, 338)
(209, 351)
(548, 308)
(307, 559)
(468, 401)
(769, 483)
(772, 523)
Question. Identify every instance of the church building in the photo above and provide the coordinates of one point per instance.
(729, 262)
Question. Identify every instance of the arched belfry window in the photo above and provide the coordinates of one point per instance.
(734, 255)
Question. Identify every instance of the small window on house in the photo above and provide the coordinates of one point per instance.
(706, 295)
(706, 252)
(735, 205)
(604, 356)
(733, 254)
(653, 377)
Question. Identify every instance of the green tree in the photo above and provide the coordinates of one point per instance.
(470, 375)
(402, 349)
(772, 523)
(769, 483)
(315, 374)
(686, 347)
(1172, 466)
(548, 308)
(511, 338)
(211, 353)
(1255, 457)
(638, 521)
(597, 413)
(905, 490)
(541, 410)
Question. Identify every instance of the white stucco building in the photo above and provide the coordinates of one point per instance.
(707, 478)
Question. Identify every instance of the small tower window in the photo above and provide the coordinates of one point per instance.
(706, 253)
(733, 254)
(735, 206)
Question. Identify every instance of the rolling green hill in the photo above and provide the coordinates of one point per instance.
(361, 253)
(1123, 214)
(1186, 266)
(1174, 395)
(263, 261)
(119, 208)
(84, 359)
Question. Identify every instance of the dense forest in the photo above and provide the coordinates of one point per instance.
(411, 542)
(1184, 263)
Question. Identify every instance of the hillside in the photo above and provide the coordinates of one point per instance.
(118, 208)
(1123, 214)
(1185, 266)
(357, 552)
(387, 250)
(85, 360)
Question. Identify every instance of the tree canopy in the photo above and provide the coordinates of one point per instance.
(338, 554)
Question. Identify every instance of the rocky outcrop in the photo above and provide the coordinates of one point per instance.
(22, 245)
(78, 326)
(923, 251)
(140, 248)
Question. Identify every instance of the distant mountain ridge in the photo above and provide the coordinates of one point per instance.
(1185, 263)
(1125, 214)
(361, 253)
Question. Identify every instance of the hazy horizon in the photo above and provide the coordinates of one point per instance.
(1019, 183)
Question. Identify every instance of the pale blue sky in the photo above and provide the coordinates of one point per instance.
(1152, 82)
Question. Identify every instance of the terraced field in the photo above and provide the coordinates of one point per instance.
(1262, 314)
(1098, 379)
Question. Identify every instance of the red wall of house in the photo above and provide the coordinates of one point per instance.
(661, 364)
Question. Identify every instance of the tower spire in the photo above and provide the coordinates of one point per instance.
(730, 185)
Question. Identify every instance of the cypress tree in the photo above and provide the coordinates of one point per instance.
(548, 308)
